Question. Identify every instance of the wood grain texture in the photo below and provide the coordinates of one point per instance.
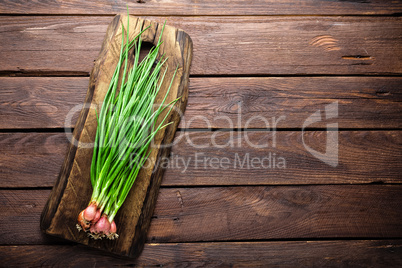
(363, 102)
(207, 7)
(239, 213)
(373, 253)
(73, 188)
(222, 45)
(302, 49)
(31, 159)
(34, 160)
(282, 158)
(23, 209)
(286, 102)
(41, 102)
(283, 212)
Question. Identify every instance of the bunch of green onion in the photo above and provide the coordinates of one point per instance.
(127, 123)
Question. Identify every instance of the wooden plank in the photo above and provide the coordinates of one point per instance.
(227, 158)
(41, 102)
(361, 253)
(34, 160)
(207, 7)
(20, 217)
(248, 213)
(286, 102)
(31, 160)
(72, 191)
(222, 45)
(369, 102)
(239, 213)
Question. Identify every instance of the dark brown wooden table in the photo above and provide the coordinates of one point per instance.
(283, 81)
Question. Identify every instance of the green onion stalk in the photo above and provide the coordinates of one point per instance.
(126, 126)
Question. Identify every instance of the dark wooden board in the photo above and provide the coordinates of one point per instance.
(364, 102)
(238, 213)
(33, 160)
(23, 208)
(282, 212)
(367, 253)
(262, 45)
(206, 7)
(73, 189)
(364, 157)
(303, 49)
(41, 102)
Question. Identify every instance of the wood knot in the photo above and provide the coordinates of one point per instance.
(326, 42)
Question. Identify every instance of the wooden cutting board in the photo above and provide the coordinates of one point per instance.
(72, 190)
